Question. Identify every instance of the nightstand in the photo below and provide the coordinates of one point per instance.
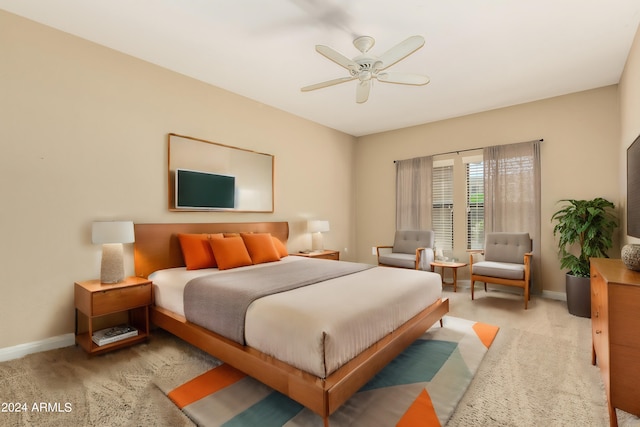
(327, 254)
(94, 299)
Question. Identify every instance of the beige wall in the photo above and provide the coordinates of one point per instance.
(579, 159)
(84, 137)
(629, 122)
(84, 133)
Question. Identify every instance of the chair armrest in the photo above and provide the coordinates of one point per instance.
(474, 255)
(527, 266)
(382, 247)
(378, 250)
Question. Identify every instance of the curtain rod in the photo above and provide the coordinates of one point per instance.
(470, 149)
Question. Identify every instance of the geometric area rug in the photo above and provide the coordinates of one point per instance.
(420, 387)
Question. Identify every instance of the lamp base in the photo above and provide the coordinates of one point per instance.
(112, 266)
(317, 244)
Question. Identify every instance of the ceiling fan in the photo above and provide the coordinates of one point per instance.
(366, 67)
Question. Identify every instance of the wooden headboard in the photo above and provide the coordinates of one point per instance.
(157, 245)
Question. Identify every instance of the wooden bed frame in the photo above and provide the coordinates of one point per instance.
(157, 247)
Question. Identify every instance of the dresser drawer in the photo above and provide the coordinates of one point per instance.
(625, 376)
(600, 320)
(624, 318)
(109, 301)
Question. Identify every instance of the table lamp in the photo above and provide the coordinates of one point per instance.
(316, 228)
(112, 234)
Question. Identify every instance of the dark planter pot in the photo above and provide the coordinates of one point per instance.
(579, 295)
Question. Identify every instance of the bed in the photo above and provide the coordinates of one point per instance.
(318, 384)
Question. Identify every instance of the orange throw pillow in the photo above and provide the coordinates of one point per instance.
(260, 246)
(230, 252)
(280, 247)
(196, 250)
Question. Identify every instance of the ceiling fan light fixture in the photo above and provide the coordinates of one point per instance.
(366, 67)
(365, 75)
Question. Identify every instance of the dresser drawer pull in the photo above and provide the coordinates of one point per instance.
(598, 332)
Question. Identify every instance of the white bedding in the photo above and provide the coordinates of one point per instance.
(169, 284)
(320, 327)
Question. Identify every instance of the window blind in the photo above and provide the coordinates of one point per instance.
(442, 211)
(475, 205)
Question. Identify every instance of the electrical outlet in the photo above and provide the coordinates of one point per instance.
(373, 250)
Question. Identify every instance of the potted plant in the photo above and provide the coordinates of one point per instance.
(585, 230)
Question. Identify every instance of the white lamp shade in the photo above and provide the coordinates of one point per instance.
(112, 232)
(317, 226)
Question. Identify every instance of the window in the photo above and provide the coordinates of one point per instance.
(442, 210)
(475, 204)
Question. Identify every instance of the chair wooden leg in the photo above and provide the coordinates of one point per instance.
(473, 283)
(526, 296)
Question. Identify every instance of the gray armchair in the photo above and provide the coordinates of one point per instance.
(411, 249)
(506, 261)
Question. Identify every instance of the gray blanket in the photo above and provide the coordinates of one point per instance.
(219, 301)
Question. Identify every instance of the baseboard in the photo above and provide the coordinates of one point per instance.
(560, 296)
(20, 350)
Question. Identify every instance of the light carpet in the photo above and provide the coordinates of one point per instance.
(421, 387)
(537, 372)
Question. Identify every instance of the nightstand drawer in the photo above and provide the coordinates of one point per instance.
(326, 254)
(113, 300)
(332, 255)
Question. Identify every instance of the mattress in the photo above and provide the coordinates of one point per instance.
(320, 327)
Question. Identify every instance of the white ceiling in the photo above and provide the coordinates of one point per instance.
(479, 54)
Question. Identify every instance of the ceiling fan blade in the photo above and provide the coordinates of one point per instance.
(362, 91)
(403, 78)
(337, 57)
(401, 50)
(327, 83)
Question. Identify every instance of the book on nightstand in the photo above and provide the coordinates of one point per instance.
(113, 334)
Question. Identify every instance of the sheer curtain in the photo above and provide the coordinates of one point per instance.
(512, 194)
(413, 193)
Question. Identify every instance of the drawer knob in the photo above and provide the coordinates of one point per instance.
(598, 331)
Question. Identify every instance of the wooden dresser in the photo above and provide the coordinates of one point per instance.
(615, 330)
